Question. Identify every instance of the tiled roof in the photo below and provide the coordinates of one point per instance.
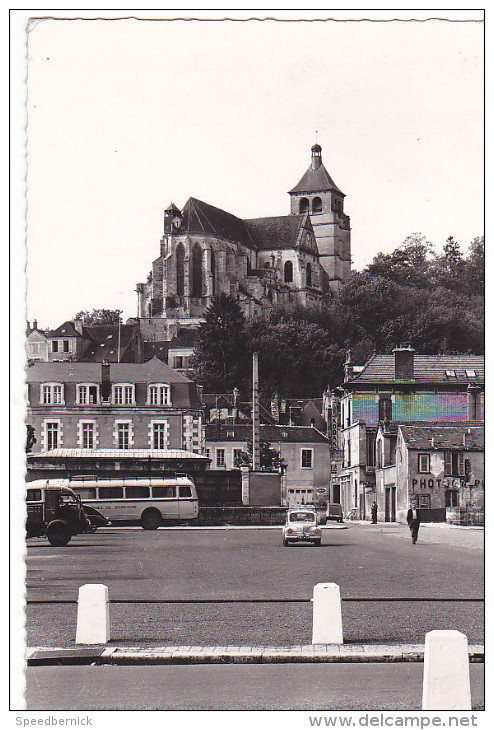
(463, 438)
(270, 433)
(200, 217)
(185, 337)
(315, 181)
(108, 341)
(281, 232)
(427, 369)
(66, 329)
(155, 349)
(64, 372)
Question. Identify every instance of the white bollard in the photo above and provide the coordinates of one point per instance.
(327, 627)
(93, 614)
(446, 672)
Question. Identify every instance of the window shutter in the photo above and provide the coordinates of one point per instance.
(448, 463)
(461, 464)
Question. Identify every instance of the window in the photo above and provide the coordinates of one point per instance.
(454, 464)
(52, 394)
(123, 435)
(54, 345)
(207, 453)
(110, 492)
(123, 395)
(303, 205)
(67, 346)
(34, 348)
(424, 501)
(167, 492)
(180, 257)
(237, 457)
(371, 451)
(87, 393)
(159, 394)
(52, 429)
(424, 463)
(184, 492)
(306, 458)
(309, 275)
(288, 272)
(220, 457)
(136, 492)
(196, 271)
(178, 362)
(86, 493)
(385, 409)
(470, 373)
(87, 431)
(33, 495)
(450, 373)
(317, 205)
(451, 498)
(160, 436)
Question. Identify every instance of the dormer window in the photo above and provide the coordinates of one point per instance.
(470, 373)
(52, 394)
(451, 373)
(123, 394)
(159, 394)
(87, 394)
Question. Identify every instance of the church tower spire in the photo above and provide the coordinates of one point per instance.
(317, 194)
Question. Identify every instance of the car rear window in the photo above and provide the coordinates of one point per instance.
(302, 517)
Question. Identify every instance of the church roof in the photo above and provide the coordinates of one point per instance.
(315, 181)
(200, 217)
(281, 232)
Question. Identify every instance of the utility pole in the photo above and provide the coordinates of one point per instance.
(256, 451)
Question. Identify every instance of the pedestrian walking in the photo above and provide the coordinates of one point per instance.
(374, 513)
(413, 519)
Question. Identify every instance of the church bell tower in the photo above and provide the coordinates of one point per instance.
(318, 195)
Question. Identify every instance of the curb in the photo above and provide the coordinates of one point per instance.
(312, 653)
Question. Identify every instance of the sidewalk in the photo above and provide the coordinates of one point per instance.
(312, 653)
(442, 525)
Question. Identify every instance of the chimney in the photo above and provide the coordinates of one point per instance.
(78, 325)
(348, 365)
(35, 324)
(316, 157)
(472, 395)
(404, 369)
(105, 381)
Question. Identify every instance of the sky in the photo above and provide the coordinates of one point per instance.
(125, 116)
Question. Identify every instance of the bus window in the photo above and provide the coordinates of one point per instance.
(164, 492)
(184, 492)
(86, 492)
(110, 492)
(136, 492)
(33, 495)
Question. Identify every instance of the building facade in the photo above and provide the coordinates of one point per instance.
(403, 387)
(122, 406)
(261, 262)
(303, 450)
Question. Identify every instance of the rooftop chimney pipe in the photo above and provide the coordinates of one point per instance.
(404, 363)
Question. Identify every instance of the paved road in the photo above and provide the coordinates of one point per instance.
(176, 564)
(316, 687)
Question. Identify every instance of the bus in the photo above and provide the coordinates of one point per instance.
(149, 502)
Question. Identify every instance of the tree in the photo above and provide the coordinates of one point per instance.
(99, 316)
(269, 457)
(221, 359)
(408, 264)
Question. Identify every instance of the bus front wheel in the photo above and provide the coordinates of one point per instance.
(150, 519)
(58, 533)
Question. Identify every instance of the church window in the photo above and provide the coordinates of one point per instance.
(288, 271)
(197, 271)
(317, 205)
(180, 256)
(309, 275)
(304, 205)
(213, 272)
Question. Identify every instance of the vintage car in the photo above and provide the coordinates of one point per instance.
(334, 512)
(301, 526)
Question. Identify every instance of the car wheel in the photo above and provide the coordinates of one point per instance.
(317, 543)
(58, 533)
(285, 542)
(150, 519)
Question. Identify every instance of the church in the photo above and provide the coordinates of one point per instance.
(262, 262)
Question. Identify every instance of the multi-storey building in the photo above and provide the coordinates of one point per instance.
(118, 406)
(400, 388)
